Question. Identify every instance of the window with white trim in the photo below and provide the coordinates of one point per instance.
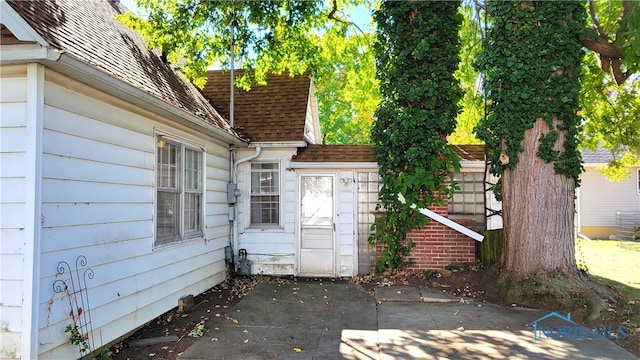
(180, 178)
(265, 194)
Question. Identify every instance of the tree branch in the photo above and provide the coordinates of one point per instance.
(609, 53)
(594, 18)
(332, 16)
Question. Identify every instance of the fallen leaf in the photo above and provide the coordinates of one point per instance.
(214, 339)
(297, 349)
(245, 331)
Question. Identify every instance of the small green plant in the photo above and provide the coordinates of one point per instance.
(583, 302)
(197, 331)
(77, 338)
(582, 265)
(105, 353)
(427, 274)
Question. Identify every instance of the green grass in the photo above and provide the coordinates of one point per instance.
(614, 263)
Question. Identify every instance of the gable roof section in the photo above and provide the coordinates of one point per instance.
(470, 152)
(366, 153)
(598, 157)
(275, 112)
(90, 32)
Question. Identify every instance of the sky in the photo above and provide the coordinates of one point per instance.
(360, 15)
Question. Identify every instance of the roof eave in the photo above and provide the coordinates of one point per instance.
(90, 75)
(332, 165)
(19, 26)
(281, 144)
(471, 163)
(25, 53)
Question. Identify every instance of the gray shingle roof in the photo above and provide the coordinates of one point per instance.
(89, 31)
(600, 156)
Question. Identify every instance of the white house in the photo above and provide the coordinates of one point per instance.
(110, 163)
(292, 218)
(606, 209)
(122, 186)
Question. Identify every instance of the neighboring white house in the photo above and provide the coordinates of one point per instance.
(110, 161)
(606, 209)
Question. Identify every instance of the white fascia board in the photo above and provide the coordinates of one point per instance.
(312, 104)
(464, 164)
(333, 165)
(24, 53)
(90, 75)
(281, 144)
(18, 26)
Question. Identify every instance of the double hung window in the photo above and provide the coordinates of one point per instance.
(265, 194)
(180, 176)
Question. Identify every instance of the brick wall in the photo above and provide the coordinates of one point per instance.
(437, 245)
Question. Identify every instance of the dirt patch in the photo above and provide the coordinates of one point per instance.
(215, 307)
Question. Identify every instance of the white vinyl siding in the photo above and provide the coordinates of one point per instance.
(13, 195)
(600, 198)
(99, 200)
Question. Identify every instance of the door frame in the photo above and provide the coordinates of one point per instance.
(336, 244)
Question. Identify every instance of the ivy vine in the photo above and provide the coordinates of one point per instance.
(531, 61)
(417, 53)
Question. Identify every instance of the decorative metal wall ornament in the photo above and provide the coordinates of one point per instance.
(75, 287)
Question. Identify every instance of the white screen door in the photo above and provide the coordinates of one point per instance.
(317, 225)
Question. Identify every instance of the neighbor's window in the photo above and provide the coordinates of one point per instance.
(180, 192)
(265, 194)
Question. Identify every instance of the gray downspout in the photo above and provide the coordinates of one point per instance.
(234, 173)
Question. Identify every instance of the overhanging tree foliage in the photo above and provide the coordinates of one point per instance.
(610, 89)
(417, 53)
(295, 36)
(348, 90)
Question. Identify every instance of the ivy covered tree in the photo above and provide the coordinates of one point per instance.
(532, 66)
(417, 53)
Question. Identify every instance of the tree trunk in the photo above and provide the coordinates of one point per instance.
(538, 207)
